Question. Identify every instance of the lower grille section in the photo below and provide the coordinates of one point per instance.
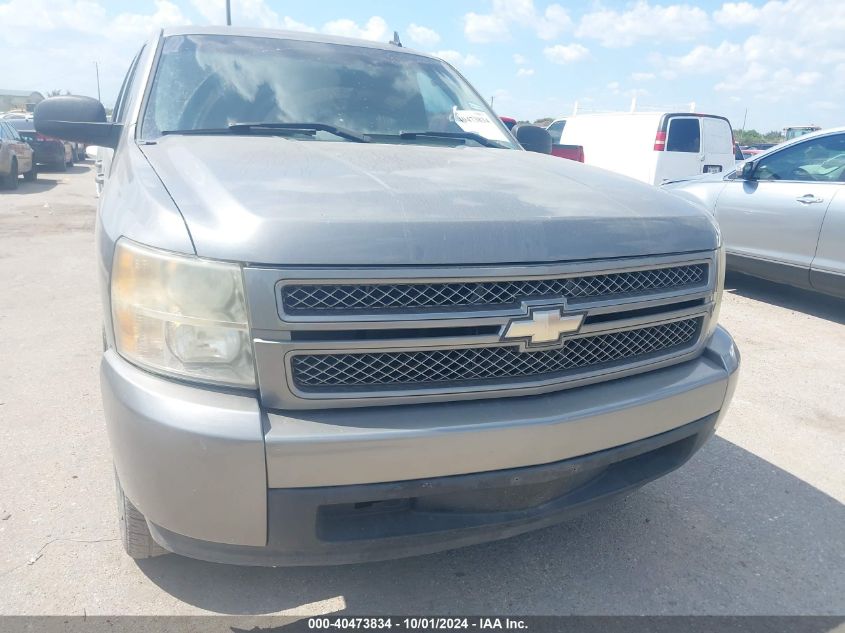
(506, 364)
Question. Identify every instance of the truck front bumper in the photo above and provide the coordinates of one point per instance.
(219, 478)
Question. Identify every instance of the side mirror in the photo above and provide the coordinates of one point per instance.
(74, 118)
(745, 171)
(534, 138)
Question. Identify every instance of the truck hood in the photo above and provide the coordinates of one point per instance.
(271, 200)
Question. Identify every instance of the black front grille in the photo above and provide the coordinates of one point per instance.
(385, 370)
(338, 298)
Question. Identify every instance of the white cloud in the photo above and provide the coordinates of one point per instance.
(485, 28)
(525, 72)
(519, 60)
(458, 60)
(770, 84)
(642, 76)
(247, 13)
(375, 28)
(824, 105)
(495, 26)
(258, 13)
(290, 24)
(565, 54)
(244, 13)
(86, 32)
(422, 35)
(736, 14)
(643, 21)
(704, 58)
(794, 45)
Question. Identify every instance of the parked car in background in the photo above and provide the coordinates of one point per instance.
(335, 352)
(555, 128)
(761, 147)
(795, 131)
(757, 148)
(16, 157)
(49, 152)
(509, 122)
(782, 212)
(652, 146)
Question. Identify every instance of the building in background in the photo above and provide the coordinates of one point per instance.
(19, 100)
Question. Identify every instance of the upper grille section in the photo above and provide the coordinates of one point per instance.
(459, 366)
(339, 298)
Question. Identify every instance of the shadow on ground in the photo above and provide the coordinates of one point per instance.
(812, 303)
(47, 179)
(728, 533)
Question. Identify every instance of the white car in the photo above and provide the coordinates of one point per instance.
(652, 146)
(782, 212)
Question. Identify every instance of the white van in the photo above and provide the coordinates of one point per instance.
(653, 146)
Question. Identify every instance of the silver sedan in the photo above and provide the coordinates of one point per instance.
(782, 212)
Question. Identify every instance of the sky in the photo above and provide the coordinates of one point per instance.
(781, 61)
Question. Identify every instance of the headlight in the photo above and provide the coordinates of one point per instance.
(181, 316)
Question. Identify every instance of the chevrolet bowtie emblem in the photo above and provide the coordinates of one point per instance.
(543, 327)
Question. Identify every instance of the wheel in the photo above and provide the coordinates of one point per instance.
(134, 532)
(12, 178)
(32, 174)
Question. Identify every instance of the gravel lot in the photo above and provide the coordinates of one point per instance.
(754, 524)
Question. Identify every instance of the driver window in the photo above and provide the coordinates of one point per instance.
(820, 159)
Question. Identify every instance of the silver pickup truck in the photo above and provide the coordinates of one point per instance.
(348, 317)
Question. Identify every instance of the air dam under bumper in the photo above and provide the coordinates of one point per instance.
(193, 462)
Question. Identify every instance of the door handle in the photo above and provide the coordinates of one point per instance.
(809, 199)
(100, 179)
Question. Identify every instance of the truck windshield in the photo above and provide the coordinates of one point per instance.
(212, 82)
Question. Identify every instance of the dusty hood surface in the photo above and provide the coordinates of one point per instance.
(271, 200)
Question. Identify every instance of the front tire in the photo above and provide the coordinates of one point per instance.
(134, 531)
(12, 178)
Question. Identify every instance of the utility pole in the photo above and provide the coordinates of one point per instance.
(228, 12)
(97, 70)
(492, 99)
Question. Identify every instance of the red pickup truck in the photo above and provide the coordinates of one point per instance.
(572, 152)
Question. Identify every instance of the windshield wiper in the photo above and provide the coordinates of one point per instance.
(302, 128)
(470, 136)
(308, 129)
